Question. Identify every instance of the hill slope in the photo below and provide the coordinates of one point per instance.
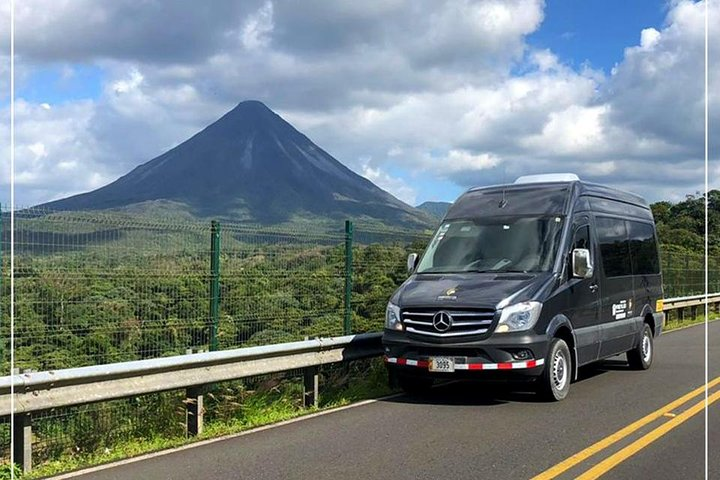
(436, 209)
(249, 165)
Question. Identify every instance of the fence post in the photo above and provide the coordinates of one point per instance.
(670, 277)
(347, 323)
(22, 441)
(214, 282)
(688, 275)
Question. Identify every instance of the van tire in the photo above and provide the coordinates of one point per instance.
(414, 385)
(641, 357)
(554, 383)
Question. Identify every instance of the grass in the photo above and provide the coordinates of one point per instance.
(675, 323)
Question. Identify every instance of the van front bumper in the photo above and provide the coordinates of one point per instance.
(505, 355)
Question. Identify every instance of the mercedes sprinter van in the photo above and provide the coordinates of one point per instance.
(529, 281)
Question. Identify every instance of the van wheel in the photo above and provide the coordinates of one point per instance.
(641, 357)
(414, 385)
(554, 383)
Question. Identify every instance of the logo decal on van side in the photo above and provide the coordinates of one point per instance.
(619, 310)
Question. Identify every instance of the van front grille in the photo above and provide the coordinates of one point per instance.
(462, 322)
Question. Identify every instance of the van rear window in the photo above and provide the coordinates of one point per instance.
(643, 248)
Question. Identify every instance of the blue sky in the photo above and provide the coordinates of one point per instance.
(596, 31)
(424, 98)
(55, 84)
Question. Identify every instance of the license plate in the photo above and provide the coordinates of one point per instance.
(441, 364)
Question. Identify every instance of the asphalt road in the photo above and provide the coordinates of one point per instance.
(467, 430)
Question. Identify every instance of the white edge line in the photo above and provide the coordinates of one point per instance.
(200, 443)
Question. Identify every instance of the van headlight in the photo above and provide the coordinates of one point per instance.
(392, 317)
(519, 317)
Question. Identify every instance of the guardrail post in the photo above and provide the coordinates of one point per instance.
(311, 384)
(347, 321)
(195, 410)
(214, 282)
(22, 441)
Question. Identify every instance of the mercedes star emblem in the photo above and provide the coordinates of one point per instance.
(442, 321)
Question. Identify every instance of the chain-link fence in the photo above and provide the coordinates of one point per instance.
(684, 272)
(103, 287)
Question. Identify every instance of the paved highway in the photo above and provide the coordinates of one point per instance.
(470, 431)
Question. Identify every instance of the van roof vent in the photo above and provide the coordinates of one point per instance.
(548, 177)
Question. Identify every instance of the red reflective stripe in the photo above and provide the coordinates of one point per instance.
(423, 364)
(504, 366)
(530, 364)
(401, 361)
(475, 366)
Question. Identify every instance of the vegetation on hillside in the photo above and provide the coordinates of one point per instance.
(681, 225)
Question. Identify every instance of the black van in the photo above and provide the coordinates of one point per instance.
(529, 281)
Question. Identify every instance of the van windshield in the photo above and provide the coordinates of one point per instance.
(494, 244)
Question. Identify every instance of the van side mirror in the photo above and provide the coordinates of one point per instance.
(582, 266)
(412, 262)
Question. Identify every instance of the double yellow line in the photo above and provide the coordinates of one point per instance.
(623, 454)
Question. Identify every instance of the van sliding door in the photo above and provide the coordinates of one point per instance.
(618, 327)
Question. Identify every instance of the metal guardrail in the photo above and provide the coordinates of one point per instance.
(37, 391)
(691, 301)
(44, 390)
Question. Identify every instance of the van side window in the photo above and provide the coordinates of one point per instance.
(643, 248)
(614, 246)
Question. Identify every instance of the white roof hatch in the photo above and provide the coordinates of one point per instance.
(548, 177)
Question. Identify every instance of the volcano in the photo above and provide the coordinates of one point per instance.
(250, 165)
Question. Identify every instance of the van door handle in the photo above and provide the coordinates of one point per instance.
(594, 287)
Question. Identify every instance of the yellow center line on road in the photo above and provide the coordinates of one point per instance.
(613, 460)
(583, 455)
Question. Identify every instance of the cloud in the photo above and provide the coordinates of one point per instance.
(54, 153)
(397, 186)
(426, 89)
(148, 31)
(657, 91)
(257, 27)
